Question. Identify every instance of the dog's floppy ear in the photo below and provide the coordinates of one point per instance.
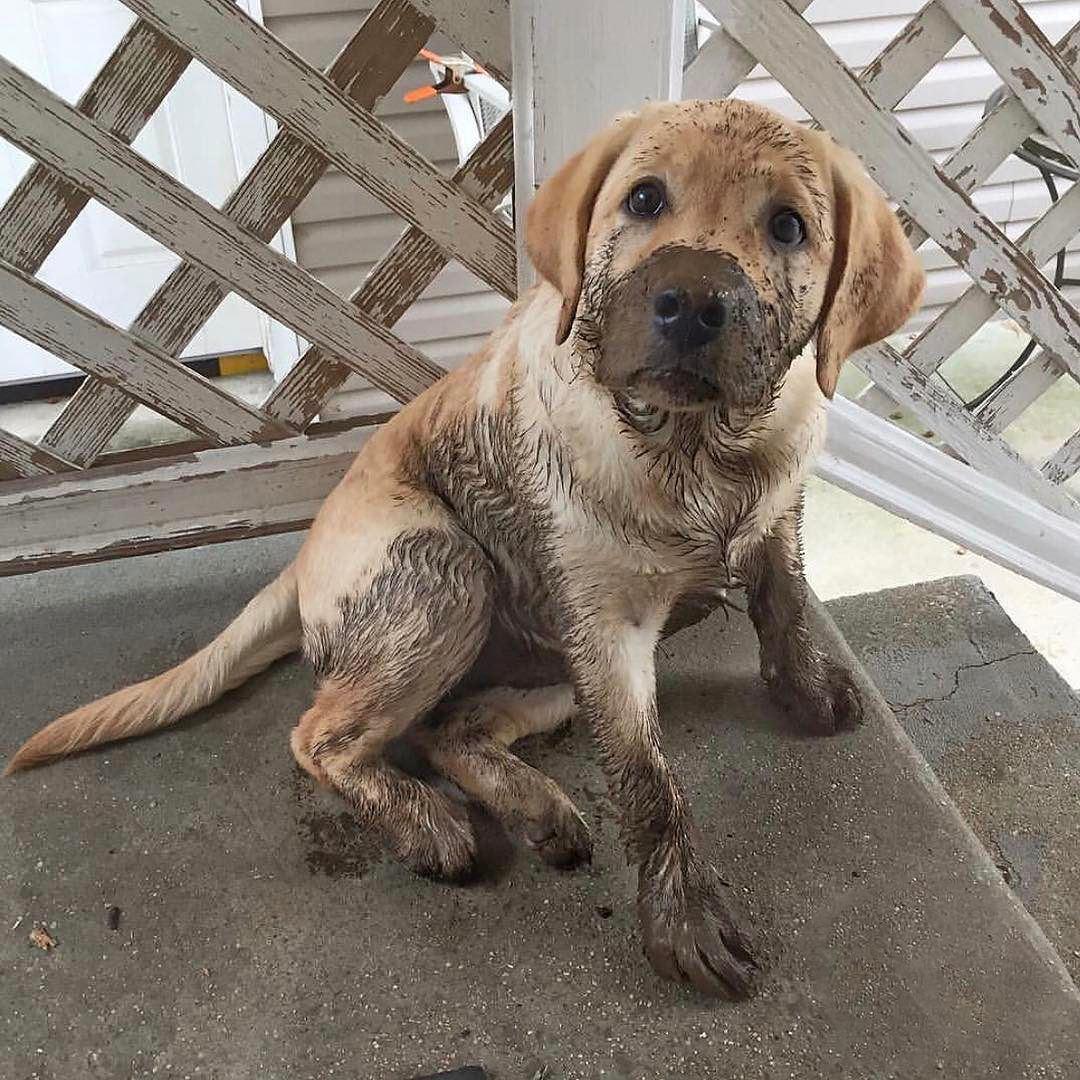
(875, 281)
(557, 221)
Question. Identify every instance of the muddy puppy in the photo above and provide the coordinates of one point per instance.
(628, 446)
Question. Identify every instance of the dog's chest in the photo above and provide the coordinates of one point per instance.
(685, 493)
(619, 535)
(674, 502)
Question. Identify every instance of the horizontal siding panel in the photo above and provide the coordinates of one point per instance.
(448, 317)
(945, 281)
(963, 78)
(451, 351)
(859, 39)
(338, 198)
(1010, 170)
(825, 12)
(938, 129)
(964, 83)
(357, 398)
(318, 38)
(1017, 204)
(967, 80)
(324, 244)
(941, 300)
(273, 9)
(454, 280)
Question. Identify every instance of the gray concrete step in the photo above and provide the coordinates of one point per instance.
(260, 935)
(997, 724)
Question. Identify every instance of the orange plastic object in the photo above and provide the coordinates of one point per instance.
(421, 93)
(455, 68)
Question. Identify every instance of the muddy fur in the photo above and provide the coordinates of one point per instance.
(626, 453)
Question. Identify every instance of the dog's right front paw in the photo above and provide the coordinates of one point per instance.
(690, 931)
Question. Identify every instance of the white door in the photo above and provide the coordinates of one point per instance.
(205, 135)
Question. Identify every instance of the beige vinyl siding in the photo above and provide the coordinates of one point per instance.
(939, 113)
(340, 231)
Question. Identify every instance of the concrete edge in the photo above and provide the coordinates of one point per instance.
(877, 704)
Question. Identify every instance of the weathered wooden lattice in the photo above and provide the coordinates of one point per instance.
(73, 502)
(1044, 94)
(82, 152)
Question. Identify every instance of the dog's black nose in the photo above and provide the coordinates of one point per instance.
(687, 321)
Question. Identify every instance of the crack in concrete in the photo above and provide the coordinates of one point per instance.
(956, 680)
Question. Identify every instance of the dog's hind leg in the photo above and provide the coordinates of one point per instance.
(466, 741)
(386, 652)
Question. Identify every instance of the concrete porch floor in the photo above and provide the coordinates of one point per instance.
(259, 935)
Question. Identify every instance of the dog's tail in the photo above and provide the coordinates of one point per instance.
(268, 628)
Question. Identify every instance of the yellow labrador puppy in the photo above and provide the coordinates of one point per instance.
(630, 443)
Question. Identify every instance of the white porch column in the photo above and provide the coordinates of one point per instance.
(576, 63)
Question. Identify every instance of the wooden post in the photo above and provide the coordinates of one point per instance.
(575, 66)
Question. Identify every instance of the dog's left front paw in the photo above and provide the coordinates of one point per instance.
(820, 694)
(691, 930)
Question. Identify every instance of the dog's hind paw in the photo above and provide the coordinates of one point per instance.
(446, 850)
(567, 845)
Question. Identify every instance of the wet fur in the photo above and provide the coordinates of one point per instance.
(510, 548)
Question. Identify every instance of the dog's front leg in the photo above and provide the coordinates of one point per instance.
(686, 911)
(820, 692)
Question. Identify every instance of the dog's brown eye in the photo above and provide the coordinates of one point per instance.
(787, 229)
(646, 199)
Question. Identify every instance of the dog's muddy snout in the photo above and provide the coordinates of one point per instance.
(689, 319)
(680, 329)
(696, 299)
